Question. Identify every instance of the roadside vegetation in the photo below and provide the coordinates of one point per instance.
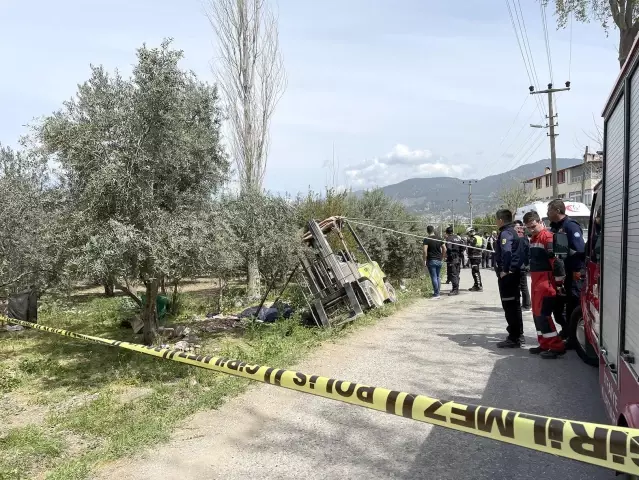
(123, 195)
(70, 406)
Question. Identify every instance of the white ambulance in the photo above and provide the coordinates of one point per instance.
(575, 210)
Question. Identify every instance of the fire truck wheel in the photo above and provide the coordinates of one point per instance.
(392, 296)
(583, 347)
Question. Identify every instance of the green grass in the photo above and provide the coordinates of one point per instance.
(25, 447)
(79, 387)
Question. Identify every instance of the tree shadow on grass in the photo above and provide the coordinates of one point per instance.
(56, 362)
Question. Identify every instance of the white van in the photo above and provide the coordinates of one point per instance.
(575, 210)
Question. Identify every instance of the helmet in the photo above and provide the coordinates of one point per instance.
(470, 230)
(449, 230)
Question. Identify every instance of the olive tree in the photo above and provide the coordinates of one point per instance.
(623, 13)
(141, 158)
(29, 237)
(277, 239)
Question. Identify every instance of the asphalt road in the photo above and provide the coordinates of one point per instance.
(444, 349)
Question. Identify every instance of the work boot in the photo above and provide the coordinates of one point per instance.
(475, 288)
(535, 350)
(550, 354)
(454, 292)
(508, 343)
(522, 339)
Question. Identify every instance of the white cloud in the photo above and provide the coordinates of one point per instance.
(399, 164)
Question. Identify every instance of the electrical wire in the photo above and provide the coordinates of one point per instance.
(501, 156)
(524, 56)
(532, 149)
(522, 28)
(544, 22)
(515, 120)
(388, 220)
(522, 146)
(570, 54)
(541, 142)
(414, 235)
(526, 146)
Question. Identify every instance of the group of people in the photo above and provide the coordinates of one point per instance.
(473, 250)
(556, 284)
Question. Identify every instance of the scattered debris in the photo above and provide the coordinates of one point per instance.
(220, 324)
(268, 314)
(185, 346)
(179, 331)
(137, 324)
(13, 328)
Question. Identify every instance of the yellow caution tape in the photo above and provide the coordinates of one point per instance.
(616, 448)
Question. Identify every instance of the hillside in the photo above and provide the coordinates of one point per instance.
(432, 196)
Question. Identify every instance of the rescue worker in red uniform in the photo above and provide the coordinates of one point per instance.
(547, 274)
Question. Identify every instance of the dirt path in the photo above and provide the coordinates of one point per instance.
(444, 349)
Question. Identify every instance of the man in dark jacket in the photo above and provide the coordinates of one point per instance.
(561, 223)
(509, 259)
(454, 257)
(526, 303)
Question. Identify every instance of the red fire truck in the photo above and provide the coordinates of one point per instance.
(607, 324)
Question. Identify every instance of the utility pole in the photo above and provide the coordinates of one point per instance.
(552, 134)
(470, 198)
(452, 202)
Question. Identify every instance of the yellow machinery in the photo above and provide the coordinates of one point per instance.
(335, 278)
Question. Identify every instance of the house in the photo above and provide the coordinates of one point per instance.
(574, 183)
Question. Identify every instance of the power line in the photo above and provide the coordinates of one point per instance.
(570, 54)
(526, 42)
(539, 144)
(500, 156)
(530, 141)
(524, 56)
(544, 22)
(532, 149)
(515, 120)
(518, 133)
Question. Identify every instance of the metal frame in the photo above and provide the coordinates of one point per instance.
(329, 280)
(624, 211)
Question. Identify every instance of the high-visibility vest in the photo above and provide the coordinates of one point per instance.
(479, 241)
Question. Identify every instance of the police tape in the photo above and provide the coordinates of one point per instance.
(616, 448)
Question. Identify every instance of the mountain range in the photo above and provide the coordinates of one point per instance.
(437, 195)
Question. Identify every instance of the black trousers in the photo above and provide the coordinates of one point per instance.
(525, 293)
(448, 272)
(566, 304)
(455, 266)
(474, 264)
(509, 291)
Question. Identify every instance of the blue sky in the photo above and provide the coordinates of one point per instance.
(402, 88)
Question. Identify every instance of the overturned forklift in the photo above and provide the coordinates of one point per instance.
(335, 278)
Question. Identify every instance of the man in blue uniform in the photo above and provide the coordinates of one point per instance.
(509, 259)
(561, 223)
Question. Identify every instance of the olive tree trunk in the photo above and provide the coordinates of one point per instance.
(149, 312)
